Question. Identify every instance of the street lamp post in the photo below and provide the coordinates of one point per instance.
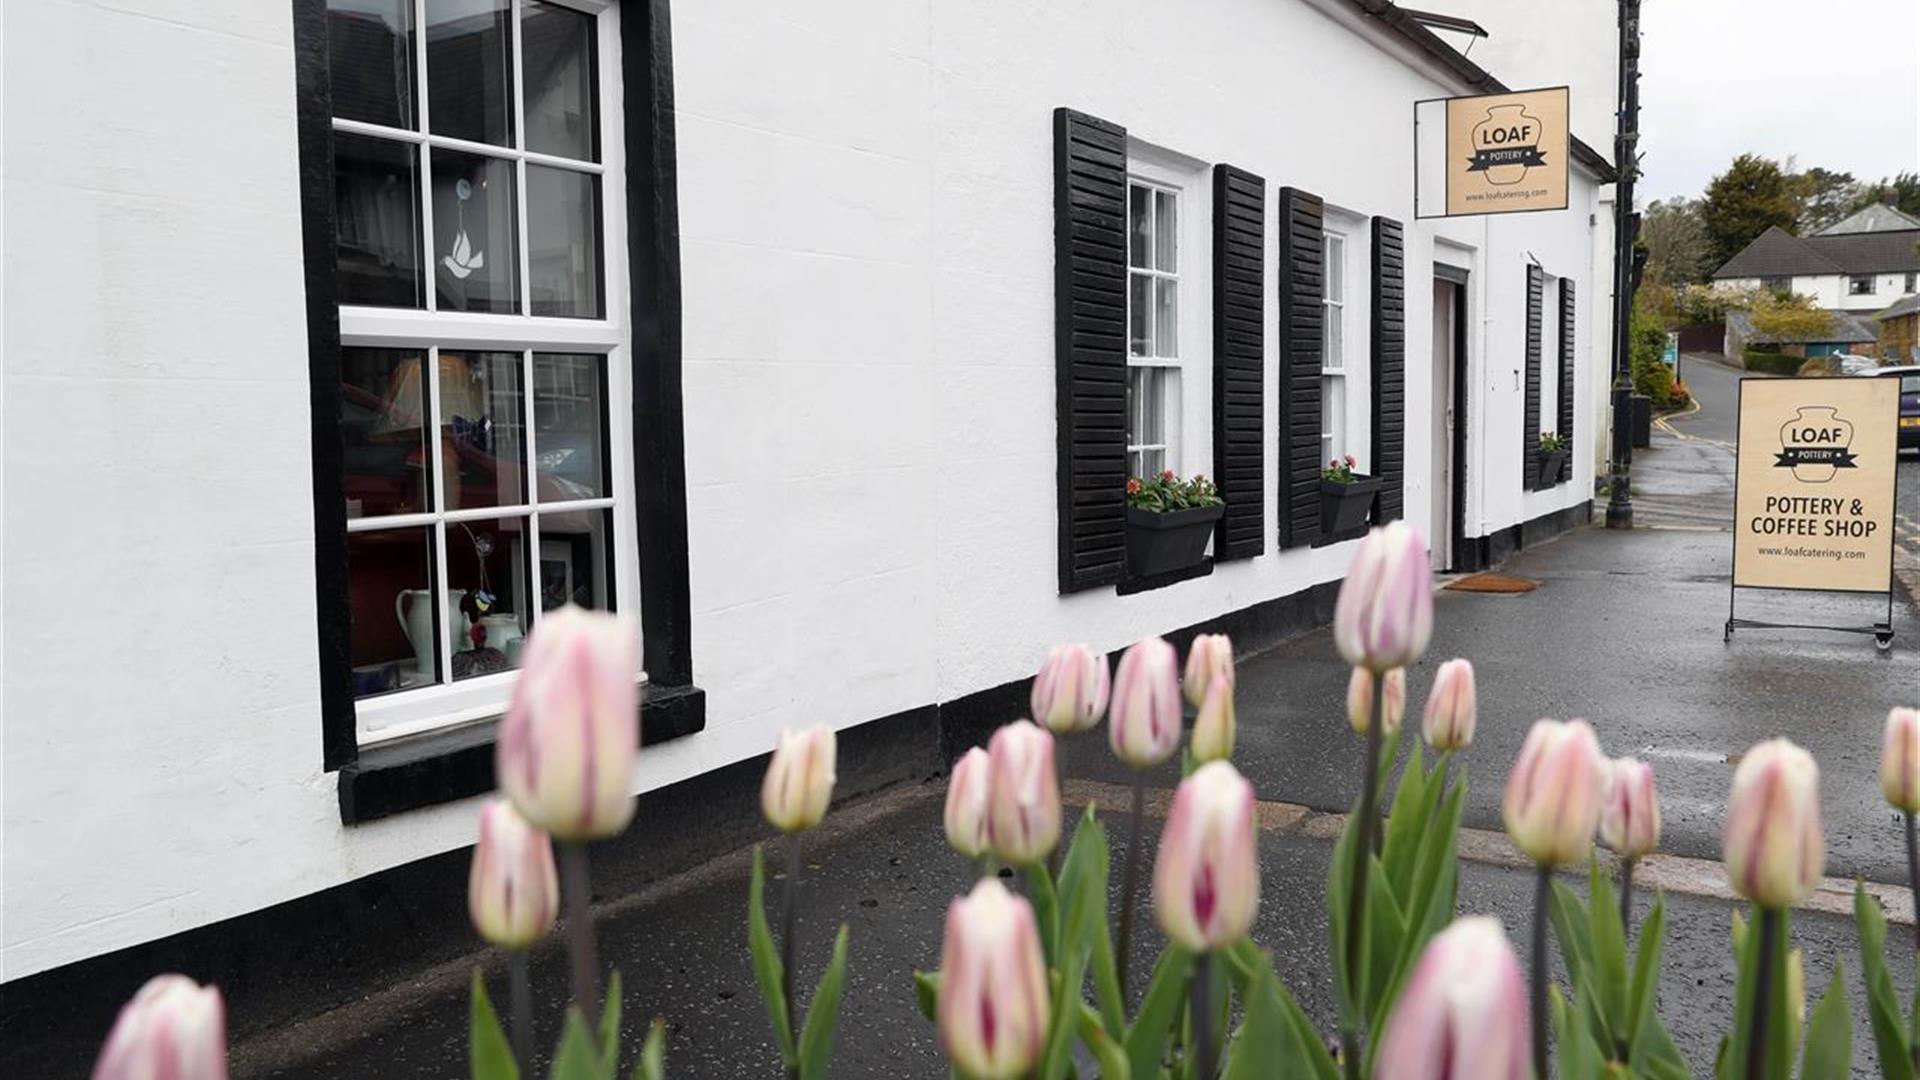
(1626, 225)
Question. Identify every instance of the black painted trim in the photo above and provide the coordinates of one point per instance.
(1462, 406)
(1530, 413)
(1481, 552)
(1567, 358)
(1387, 341)
(1301, 274)
(1130, 585)
(1239, 361)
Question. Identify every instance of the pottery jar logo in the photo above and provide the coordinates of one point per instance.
(1814, 444)
(1506, 144)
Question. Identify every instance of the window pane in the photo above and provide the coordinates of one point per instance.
(470, 70)
(1139, 314)
(1336, 269)
(563, 242)
(1166, 321)
(1333, 416)
(383, 440)
(395, 638)
(1139, 227)
(575, 546)
(570, 424)
(377, 221)
(482, 432)
(1146, 406)
(370, 60)
(487, 585)
(557, 58)
(1166, 230)
(1334, 337)
(477, 264)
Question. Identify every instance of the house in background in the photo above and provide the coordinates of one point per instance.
(1860, 263)
(1845, 333)
(1900, 332)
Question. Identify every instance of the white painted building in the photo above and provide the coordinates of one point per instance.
(786, 342)
(1861, 264)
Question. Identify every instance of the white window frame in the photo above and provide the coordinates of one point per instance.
(1335, 423)
(1186, 404)
(1862, 284)
(1549, 355)
(447, 703)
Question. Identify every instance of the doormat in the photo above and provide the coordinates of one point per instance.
(1490, 582)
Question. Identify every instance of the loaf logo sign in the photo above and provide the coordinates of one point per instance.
(1507, 152)
(1814, 499)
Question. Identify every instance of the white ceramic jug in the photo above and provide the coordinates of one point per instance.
(416, 618)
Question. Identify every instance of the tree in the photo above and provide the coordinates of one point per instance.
(1826, 197)
(1901, 191)
(1678, 252)
(1792, 317)
(1753, 195)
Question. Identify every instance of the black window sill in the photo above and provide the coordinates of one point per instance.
(1130, 585)
(1329, 539)
(409, 774)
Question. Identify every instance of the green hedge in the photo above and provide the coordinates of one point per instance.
(1772, 363)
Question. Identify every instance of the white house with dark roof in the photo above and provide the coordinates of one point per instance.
(1862, 263)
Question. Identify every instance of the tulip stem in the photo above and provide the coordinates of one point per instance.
(586, 963)
(1060, 744)
(1357, 881)
(1626, 897)
(521, 991)
(1762, 992)
(789, 900)
(1913, 889)
(1136, 825)
(1543, 888)
(1204, 1066)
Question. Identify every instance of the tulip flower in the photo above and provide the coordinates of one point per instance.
(1209, 657)
(994, 1008)
(1452, 706)
(1023, 802)
(1143, 719)
(1206, 877)
(513, 890)
(173, 1028)
(1213, 729)
(1773, 845)
(571, 734)
(1630, 818)
(799, 783)
(1463, 1014)
(1555, 791)
(1070, 692)
(1900, 760)
(1384, 614)
(967, 800)
(1360, 700)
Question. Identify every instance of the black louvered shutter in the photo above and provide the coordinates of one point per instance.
(1566, 373)
(1090, 346)
(1302, 273)
(1239, 359)
(1388, 345)
(1530, 416)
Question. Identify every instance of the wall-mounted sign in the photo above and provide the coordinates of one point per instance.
(1495, 153)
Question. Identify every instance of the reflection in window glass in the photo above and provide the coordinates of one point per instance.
(487, 592)
(563, 242)
(557, 58)
(370, 60)
(482, 430)
(395, 640)
(383, 432)
(476, 261)
(570, 423)
(575, 547)
(1139, 227)
(470, 70)
(1166, 231)
(377, 221)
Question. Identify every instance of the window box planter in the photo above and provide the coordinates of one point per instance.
(1552, 464)
(1344, 507)
(1161, 542)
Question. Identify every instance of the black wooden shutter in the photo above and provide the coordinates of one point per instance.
(1388, 342)
(1530, 435)
(1302, 273)
(1239, 360)
(1566, 372)
(1090, 346)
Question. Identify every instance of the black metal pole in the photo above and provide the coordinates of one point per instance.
(1625, 222)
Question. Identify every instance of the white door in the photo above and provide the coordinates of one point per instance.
(1440, 528)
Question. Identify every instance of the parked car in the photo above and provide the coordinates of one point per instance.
(1909, 403)
(1855, 364)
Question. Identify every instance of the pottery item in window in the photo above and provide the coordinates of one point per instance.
(416, 618)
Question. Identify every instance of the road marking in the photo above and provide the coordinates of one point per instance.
(1704, 878)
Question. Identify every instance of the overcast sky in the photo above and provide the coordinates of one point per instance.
(1835, 83)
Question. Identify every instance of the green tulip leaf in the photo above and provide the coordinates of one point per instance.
(926, 991)
(1266, 1042)
(1100, 1043)
(1571, 927)
(653, 1053)
(1083, 880)
(768, 971)
(1609, 939)
(1046, 911)
(577, 1058)
(610, 1029)
(1890, 1035)
(1386, 929)
(823, 1013)
(488, 1051)
(1829, 1051)
(1146, 1041)
(1406, 823)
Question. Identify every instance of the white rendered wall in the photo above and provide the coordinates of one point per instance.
(1573, 43)
(869, 379)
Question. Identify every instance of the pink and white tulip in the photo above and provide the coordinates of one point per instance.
(1210, 657)
(1143, 719)
(513, 892)
(994, 1008)
(174, 1028)
(1452, 707)
(798, 786)
(1463, 1014)
(1555, 791)
(1206, 876)
(968, 788)
(1773, 846)
(1900, 760)
(1023, 801)
(1630, 820)
(571, 735)
(1384, 615)
(1070, 692)
(1360, 700)
(1214, 730)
